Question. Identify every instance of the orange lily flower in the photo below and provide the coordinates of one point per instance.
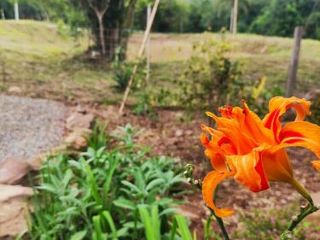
(252, 150)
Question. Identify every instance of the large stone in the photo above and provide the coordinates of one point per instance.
(12, 170)
(13, 210)
(28, 129)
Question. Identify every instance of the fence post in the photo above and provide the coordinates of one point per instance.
(16, 10)
(294, 62)
(235, 17)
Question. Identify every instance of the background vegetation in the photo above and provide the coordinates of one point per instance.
(266, 17)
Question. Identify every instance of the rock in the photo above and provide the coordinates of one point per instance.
(78, 138)
(79, 120)
(13, 210)
(14, 89)
(179, 133)
(81, 109)
(189, 132)
(13, 191)
(12, 170)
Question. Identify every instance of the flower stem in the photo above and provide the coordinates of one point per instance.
(223, 229)
(302, 191)
(304, 211)
(310, 208)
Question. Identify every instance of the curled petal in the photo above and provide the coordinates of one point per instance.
(209, 185)
(316, 165)
(249, 170)
(278, 106)
(254, 126)
(301, 134)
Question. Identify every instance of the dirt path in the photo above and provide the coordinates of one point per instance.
(28, 127)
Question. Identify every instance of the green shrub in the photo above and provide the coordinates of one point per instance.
(101, 193)
(212, 78)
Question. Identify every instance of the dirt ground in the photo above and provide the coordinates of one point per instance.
(171, 135)
(176, 134)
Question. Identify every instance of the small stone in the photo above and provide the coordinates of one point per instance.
(78, 138)
(79, 120)
(14, 89)
(189, 132)
(179, 133)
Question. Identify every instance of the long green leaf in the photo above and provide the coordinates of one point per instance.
(112, 226)
(183, 227)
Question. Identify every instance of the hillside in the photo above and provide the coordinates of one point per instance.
(45, 63)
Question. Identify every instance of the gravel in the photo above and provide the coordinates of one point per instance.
(29, 127)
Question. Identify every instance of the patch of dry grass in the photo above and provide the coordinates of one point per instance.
(45, 63)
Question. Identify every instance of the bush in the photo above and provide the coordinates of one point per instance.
(212, 78)
(106, 193)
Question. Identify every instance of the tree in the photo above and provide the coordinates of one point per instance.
(109, 21)
(100, 8)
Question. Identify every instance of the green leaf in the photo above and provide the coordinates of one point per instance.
(183, 227)
(154, 183)
(123, 203)
(79, 235)
(131, 186)
(112, 226)
(150, 221)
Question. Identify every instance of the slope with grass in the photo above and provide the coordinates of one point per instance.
(40, 60)
(43, 62)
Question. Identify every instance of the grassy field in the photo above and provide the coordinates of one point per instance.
(44, 63)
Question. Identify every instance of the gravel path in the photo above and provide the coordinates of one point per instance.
(29, 127)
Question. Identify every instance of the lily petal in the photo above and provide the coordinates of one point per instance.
(249, 170)
(301, 134)
(278, 106)
(209, 185)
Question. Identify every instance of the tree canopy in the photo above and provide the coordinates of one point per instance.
(267, 17)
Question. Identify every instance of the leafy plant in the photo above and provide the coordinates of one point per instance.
(145, 105)
(212, 77)
(104, 193)
(122, 72)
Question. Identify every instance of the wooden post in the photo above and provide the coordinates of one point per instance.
(235, 17)
(148, 45)
(135, 68)
(293, 68)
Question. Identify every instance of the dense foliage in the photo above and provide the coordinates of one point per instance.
(275, 17)
(118, 193)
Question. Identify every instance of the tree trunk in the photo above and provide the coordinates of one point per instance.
(101, 33)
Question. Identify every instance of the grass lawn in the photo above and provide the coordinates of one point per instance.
(44, 63)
